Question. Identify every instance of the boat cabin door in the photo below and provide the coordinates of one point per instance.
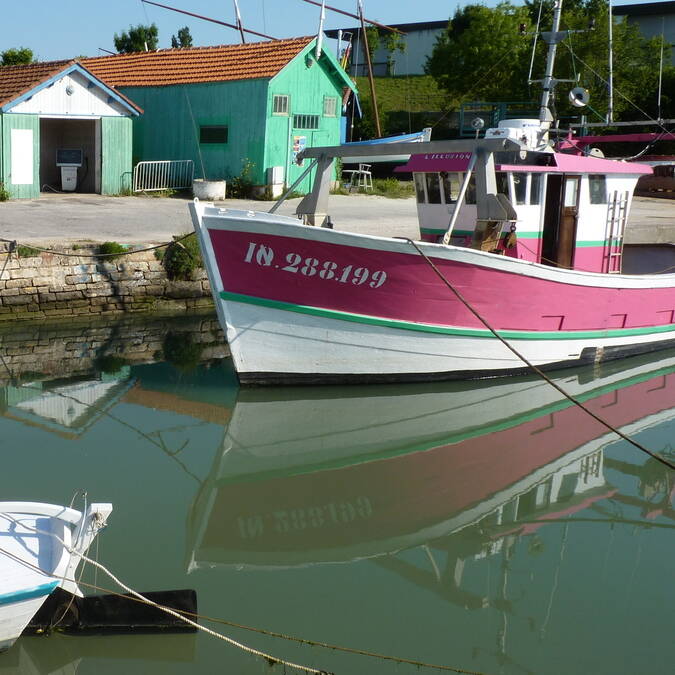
(560, 220)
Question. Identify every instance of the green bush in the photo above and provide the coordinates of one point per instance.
(241, 186)
(111, 250)
(182, 258)
(4, 193)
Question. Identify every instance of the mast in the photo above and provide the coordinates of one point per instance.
(239, 24)
(610, 77)
(552, 38)
(370, 71)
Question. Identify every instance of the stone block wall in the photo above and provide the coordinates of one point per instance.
(56, 285)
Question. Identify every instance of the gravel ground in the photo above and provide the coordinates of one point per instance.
(58, 218)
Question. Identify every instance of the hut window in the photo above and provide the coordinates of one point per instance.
(280, 104)
(520, 187)
(213, 134)
(449, 189)
(598, 189)
(535, 189)
(419, 188)
(433, 188)
(329, 106)
(306, 121)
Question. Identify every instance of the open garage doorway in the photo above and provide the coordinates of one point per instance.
(74, 142)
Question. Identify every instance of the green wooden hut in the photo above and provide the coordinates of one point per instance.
(63, 129)
(243, 109)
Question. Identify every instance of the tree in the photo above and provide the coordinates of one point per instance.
(484, 54)
(183, 39)
(139, 39)
(16, 56)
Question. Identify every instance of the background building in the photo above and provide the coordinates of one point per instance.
(653, 18)
(418, 38)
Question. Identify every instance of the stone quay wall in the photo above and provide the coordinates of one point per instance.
(54, 285)
(85, 345)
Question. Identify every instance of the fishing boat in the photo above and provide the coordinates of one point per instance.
(516, 240)
(311, 475)
(40, 549)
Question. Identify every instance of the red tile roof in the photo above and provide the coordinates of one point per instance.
(18, 80)
(196, 64)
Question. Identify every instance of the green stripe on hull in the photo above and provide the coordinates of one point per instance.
(444, 330)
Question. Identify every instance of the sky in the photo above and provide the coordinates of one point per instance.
(63, 29)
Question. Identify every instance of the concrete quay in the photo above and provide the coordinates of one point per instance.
(78, 218)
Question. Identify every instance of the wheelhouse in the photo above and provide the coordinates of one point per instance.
(567, 211)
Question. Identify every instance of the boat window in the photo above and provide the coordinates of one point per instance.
(571, 190)
(419, 188)
(597, 187)
(502, 183)
(433, 188)
(470, 197)
(520, 187)
(535, 188)
(450, 187)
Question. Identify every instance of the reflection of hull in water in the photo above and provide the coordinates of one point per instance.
(334, 478)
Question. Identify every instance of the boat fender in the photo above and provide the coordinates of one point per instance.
(510, 238)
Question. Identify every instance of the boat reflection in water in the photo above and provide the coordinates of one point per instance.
(311, 475)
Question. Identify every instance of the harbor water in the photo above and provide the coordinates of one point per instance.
(483, 527)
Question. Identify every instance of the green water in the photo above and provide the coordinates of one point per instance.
(488, 527)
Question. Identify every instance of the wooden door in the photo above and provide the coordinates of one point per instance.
(569, 212)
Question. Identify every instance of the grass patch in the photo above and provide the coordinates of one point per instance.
(4, 193)
(383, 187)
(111, 250)
(27, 251)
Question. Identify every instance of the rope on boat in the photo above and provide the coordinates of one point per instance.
(534, 368)
(13, 246)
(272, 660)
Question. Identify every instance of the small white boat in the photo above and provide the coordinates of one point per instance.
(40, 548)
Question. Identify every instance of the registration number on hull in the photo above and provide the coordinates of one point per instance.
(327, 270)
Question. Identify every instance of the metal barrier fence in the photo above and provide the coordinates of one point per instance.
(163, 175)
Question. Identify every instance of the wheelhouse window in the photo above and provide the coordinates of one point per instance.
(470, 196)
(280, 104)
(419, 188)
(535, 188)
(213, 134)
(306, 121)
(520, 187)
(330, 106)
(597, 186)
(502, 182)
(450, 188)
(433, 188)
